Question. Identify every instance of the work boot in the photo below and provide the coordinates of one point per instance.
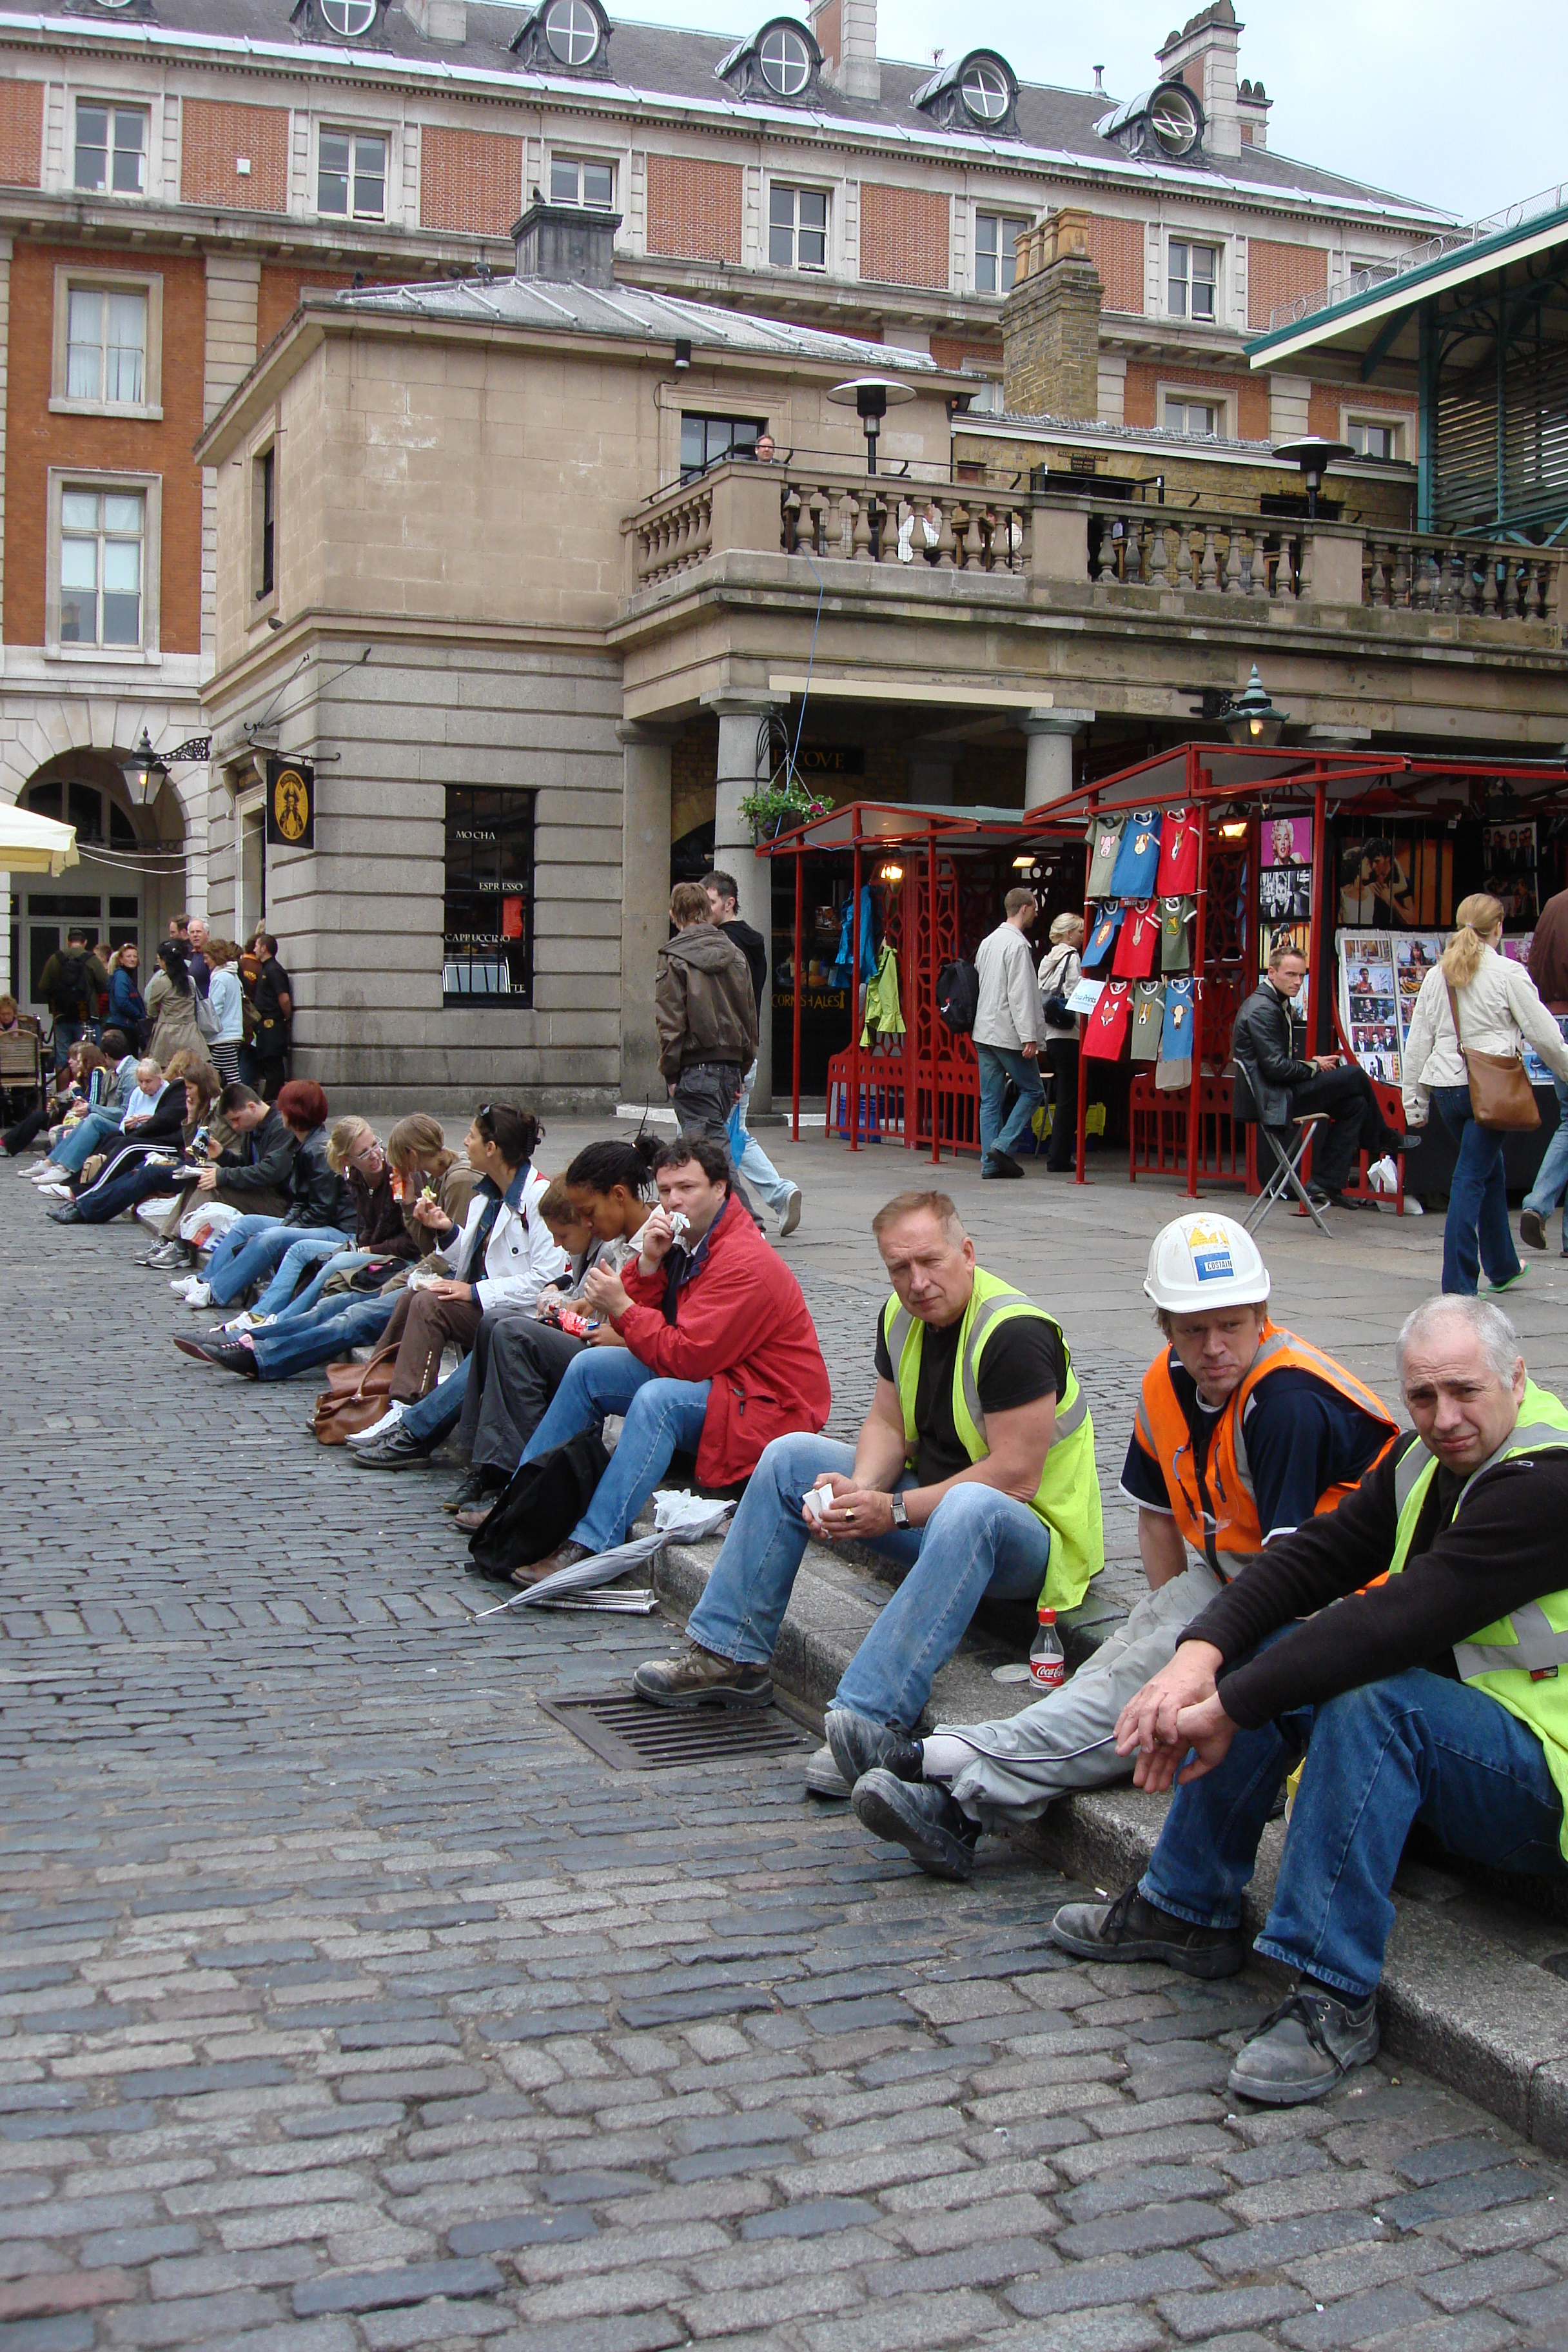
(1305, 2046)
(1131, 1929)
(698, 1677)
(822, 1777)
(860, 1745)
(565, 1555)
(481, 1485)
(922, 1817)
(394, 1451)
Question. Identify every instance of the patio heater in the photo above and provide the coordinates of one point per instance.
(871, 396)
(1314, 456)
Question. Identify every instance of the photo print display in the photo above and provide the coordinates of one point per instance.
(1511, 869)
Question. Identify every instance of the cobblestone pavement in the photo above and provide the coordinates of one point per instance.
(346, 2001)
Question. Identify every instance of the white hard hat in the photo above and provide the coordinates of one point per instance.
(1201, 1261)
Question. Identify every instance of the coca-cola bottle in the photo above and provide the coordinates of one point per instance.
(1048, 1667)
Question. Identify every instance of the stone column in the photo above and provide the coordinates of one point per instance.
(645, 904)
(1049, 774)
(740, 719)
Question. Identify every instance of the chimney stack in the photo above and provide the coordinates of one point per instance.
(1050, 322)
(846, 32)
(565, 245)
(1202, 55)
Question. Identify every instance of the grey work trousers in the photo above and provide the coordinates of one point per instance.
(518, 1364)
(1043, 1738)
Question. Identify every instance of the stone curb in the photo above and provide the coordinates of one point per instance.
(1465, 1995)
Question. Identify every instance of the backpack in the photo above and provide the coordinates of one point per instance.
(540, 1507)
(73, 996)
(958, 995)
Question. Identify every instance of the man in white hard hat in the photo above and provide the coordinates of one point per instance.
(1243, 1433)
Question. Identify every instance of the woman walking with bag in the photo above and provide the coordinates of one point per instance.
(1061, 968)
(1474, 1008)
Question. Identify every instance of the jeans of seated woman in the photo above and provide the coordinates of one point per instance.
(254, 1247)
(89, 1134)
(282, 1296)
(335, 1329)
(1477, 1235)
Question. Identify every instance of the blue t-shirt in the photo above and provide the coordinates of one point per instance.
(1301, 1436)
(1137, 859)
(1176, 1043)
(1096, 955)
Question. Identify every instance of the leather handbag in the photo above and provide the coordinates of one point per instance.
(1501, 1095)
(356, 1396)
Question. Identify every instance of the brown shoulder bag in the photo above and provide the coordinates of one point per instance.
(1501, 1095)
(356, 1396)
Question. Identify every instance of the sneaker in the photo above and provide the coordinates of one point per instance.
(1305, 2046)
(388, 1421)
(247, 1320)
(860, 1745)
(229, 1355)
(61, 1189)
(1533, 1228)
(698, 1677)
(922, 1817)
(1131, 1929)
(791, 1217)
(197, 1293)
(169, 1254)
(822, 1777)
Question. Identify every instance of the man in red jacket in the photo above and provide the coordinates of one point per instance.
(719, 1353)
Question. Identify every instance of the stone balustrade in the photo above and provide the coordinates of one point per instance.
(1409, 572)
(950, 528)
(1205, 552)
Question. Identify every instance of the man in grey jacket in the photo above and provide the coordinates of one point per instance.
(1008, 1034)
(705, 1009)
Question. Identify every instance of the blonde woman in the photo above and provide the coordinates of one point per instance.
(1061, 968)
(1499, 1012)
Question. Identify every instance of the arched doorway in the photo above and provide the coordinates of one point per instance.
(131, 877)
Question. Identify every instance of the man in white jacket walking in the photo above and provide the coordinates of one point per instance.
(1008, 1033)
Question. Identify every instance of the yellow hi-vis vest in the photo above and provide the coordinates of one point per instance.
(1515, 1660)
(1067, 1496)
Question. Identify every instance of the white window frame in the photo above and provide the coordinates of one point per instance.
(352, 131)
(112, 281)
(109, 194)
(581, 162)
(1397, 421)
(1021, 223)
(1189, 394)
(1208, 243)
(148, 487)
(796, 268)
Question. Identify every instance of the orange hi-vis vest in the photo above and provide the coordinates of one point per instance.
(1216, 1505)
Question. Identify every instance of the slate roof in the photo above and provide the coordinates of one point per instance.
(680, 66)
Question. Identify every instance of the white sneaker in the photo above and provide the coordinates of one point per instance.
(389, 1420)
(61, 1191)
(197, 1292)
(43, 1172)
(247, 1321)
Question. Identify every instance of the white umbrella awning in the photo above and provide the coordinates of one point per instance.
(30, 843)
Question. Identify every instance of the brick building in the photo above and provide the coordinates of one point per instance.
(176, 175)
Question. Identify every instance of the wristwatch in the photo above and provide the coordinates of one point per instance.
(901, 1514)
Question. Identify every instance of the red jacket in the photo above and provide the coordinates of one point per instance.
(742, 1324)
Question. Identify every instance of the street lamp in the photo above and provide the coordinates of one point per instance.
(145, 774)
(871, 396)
(1314, 456)
(1252, 718)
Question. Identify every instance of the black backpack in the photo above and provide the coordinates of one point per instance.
(73, 996)
(958, 995)
(540, 1507)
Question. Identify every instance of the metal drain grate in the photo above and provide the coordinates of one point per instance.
(632, 1736)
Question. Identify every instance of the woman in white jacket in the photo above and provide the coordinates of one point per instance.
(1498, 1008)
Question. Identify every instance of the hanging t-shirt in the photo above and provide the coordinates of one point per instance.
(1137, 859)
(1176, 919)
(1148, 1020)
(1102, 940)
(1105, 1031)
(1104, 848)
(1023, 1360)
(1138, 945)
(1178, 873)
(1176, 1043)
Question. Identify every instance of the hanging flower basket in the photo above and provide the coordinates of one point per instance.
(780, 808)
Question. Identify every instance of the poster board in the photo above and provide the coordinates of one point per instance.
(1380, 977)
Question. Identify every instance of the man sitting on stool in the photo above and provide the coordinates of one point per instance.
(1244, 1433)
(1416, 1638)
(1285, 1087)
(974, 1469)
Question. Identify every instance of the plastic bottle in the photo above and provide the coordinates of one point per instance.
(1048, 1667)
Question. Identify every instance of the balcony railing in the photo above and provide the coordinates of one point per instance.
(1060, 539)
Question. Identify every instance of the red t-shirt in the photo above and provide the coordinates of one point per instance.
(1138, 943)
(1178, 875)
(1105, 1031)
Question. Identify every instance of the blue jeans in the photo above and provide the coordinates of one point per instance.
(320, 1248)
(1476, 1229)
(133, 1185)
(661, 1416)
(88, 1134)
(435, 1414)
(1415, 1748)
(333, 1331)
(976, 1542)
(256, 1247)
(750, 1161)
(997, 1065)
(1551, 1177)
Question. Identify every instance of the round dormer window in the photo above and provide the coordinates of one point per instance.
(571, 30)
(1175, 119)
(984, 91)
(349, 17)
(785, 60)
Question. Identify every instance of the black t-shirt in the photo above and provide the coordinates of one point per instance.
(272, 983)
(1023, 1360)
(750, 942)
